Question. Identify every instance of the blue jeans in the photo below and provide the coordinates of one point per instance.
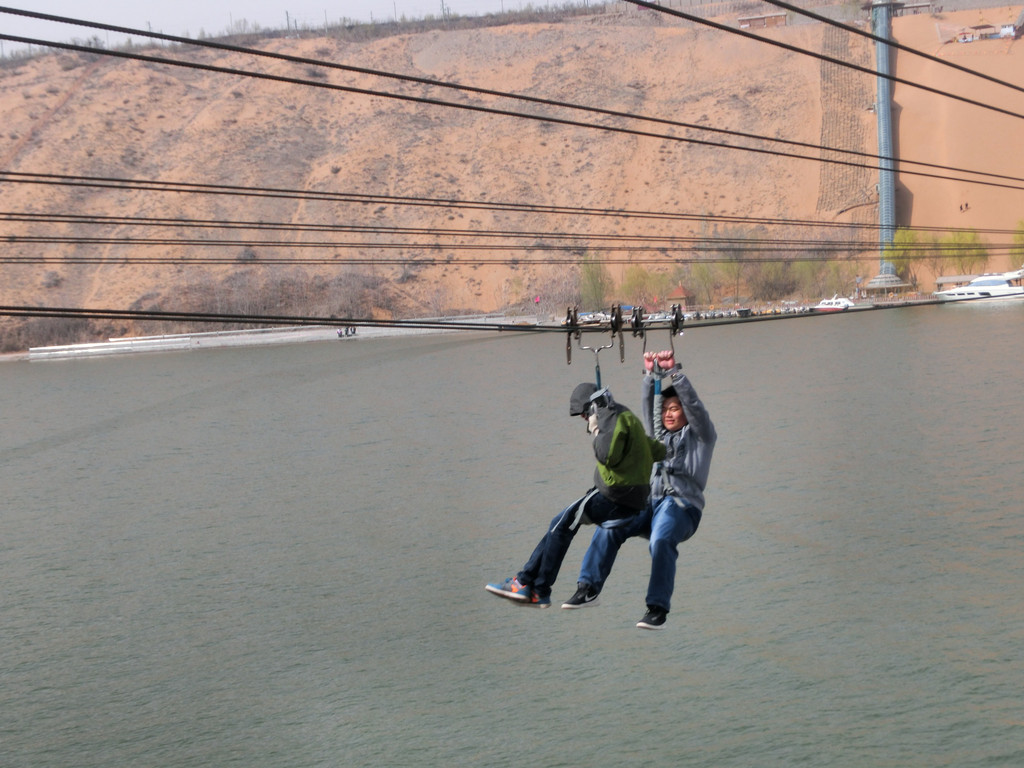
(667, 524)
(541, 569)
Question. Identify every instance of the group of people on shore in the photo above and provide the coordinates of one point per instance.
(649, 482)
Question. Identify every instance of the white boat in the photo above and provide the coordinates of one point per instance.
(999, 286)
(836, 304)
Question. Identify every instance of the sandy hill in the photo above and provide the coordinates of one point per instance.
(75, 114)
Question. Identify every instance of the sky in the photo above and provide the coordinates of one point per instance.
(186, 18)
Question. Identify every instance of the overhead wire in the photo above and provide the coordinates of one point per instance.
(894, 44)
(500, 112)
(433, 82)
(106, 182)
(491, 92)
(541, 249)
(823, 57)
(276, 320)
(272, 226)
(542, 240)
(572, 327)
(551, 102)
(744, 256)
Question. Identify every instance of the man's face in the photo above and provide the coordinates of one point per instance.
(672, 416)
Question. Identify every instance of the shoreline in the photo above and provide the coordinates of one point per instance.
(186, 342)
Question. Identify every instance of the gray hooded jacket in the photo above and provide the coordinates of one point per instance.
(684, 471)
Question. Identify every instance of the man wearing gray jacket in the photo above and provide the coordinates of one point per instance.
(673, 414)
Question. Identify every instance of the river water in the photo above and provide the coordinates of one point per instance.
(275, 556)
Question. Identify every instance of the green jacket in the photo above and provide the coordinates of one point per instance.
(625, 455)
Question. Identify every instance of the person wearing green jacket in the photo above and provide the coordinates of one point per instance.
(625, 456)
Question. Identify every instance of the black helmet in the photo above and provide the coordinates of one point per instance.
(579, 401)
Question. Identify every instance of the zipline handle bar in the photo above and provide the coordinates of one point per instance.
(637, 325)
(676, 322)
(572, 320)
(675, 325)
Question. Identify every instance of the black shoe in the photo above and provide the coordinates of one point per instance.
(584, 596)
(654, 618)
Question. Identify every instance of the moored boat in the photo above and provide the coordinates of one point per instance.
(998, 286)
(836, 304)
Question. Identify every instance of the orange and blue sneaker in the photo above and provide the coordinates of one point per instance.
(537, 601)
(513, 589)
